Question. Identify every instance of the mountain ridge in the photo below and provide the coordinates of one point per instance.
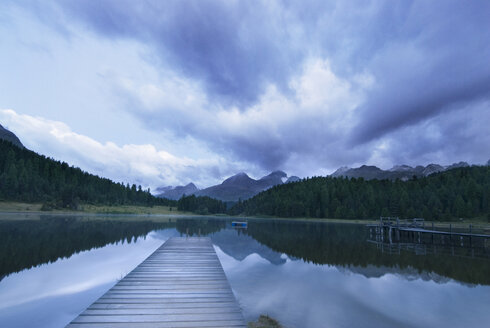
(10, 136)
(402, 172)
(242, 187)
(237, 187)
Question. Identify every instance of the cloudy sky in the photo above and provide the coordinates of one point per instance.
(167, 92)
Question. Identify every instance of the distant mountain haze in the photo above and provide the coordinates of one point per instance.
(293, 178)
(402, 172)
(10, 136)
(234, 188)
(177, 192)
(241, 186)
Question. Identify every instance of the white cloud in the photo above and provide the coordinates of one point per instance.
(287, 87)
(141, 164)
(308, 121)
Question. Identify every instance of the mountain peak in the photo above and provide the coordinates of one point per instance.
(278, 173)
(241, 186)
(401, 168)
(177, 192)
(293, 178)
(239, 178)
(456, 165)
(275, 175)
(340, 171)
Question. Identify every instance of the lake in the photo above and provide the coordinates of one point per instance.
(304, 274)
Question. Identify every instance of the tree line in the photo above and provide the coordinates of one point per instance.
(449, 195)
(29, 177)
(201, 205)
(457, 193)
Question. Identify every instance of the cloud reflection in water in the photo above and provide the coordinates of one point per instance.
(301, 294)
(53, 294)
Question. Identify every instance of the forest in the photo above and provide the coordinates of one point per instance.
(29, 177)
(201, 205)
(449, 195)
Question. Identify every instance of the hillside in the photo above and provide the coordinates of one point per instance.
(10, 136)
(29, 177)
(241, 186)
(449, 195)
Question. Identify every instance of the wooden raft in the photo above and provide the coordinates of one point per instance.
(182, 284)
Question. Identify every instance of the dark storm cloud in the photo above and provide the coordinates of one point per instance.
(234, 48)
(427, 60)
(439, 63)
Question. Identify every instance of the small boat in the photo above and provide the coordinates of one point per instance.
(239, 224)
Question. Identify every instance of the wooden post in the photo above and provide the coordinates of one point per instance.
(470, 235)
(450, 232)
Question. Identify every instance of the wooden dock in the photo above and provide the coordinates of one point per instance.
(182, 284)
(395, 229)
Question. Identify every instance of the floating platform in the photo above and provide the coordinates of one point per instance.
(182, 284)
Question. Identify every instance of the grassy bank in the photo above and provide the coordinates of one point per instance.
(482, 221)
(6, 206)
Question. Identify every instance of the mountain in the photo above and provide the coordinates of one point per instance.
(241, 186)
(293, 178)
(177, 192)
(444, 196)
(365, 171)
(10, 136)
(402, 172)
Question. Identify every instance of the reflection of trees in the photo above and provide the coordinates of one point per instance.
(200, 226)
(345, 245)
(24, 244)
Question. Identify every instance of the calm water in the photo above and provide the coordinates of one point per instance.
(305, 274)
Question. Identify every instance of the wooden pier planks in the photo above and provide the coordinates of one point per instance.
(182, 284)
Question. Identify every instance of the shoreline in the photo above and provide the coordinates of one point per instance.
(165, 212)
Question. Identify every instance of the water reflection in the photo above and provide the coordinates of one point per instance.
(346, 245)
(301, 294)
(51, 295)
(38, 239)
(306, 274)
